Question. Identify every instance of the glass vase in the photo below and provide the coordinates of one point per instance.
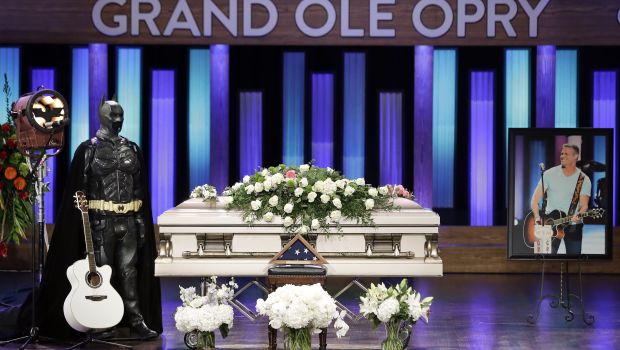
(392, 340)
(206, 341)
(297, 339)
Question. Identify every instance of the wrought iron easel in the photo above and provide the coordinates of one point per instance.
(564, 298)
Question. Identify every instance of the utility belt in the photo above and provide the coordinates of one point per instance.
(118, 208)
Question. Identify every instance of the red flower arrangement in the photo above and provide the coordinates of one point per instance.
(16, 207)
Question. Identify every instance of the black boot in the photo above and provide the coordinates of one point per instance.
(141, 331)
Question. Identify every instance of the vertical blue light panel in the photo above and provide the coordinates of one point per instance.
(482, 160)
(545, 86)
(162, 141)
(219, 116)
(129, 90)
(604, 115)
(250, 132)
(323, 119)
(390, 138)
(46, 77)
(422, 122)
(354, 119)
(293, 108)
(566, 88)
(9, 64)
(444, 123)
(518, 88)
(199, 126)
(79, 98)
(97, 83)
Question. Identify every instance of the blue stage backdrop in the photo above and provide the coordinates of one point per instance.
(426, 116)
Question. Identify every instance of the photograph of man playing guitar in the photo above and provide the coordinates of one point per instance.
(567, 191)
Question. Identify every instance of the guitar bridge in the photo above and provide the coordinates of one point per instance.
(96, 297)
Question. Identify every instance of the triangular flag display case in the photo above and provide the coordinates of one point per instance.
(298, 252)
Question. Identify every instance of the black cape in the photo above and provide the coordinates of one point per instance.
(67, 246)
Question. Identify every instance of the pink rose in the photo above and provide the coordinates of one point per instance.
(291, 174)
(406, 194)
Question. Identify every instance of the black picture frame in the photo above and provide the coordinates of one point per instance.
(528, 149)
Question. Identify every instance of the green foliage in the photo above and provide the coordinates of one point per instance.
(306, 198)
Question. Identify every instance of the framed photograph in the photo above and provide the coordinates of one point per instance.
(560, 193)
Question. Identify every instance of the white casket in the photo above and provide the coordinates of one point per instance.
(204, 239)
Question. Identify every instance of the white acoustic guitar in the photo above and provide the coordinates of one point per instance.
(92, 305)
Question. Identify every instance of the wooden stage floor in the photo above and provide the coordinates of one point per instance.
(471, 311)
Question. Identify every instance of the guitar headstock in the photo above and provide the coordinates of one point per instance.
(81, 202)
(597, 213)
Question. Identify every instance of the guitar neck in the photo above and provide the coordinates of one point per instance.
(569, 218)
(89, 242)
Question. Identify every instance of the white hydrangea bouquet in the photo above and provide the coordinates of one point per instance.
(393, 306)
(306, 198)
(206, 192)
(300, 311)
(201, 315)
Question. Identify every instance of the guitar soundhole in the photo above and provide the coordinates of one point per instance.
(93, 279)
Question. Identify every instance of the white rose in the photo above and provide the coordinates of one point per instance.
(324, 198)
(246, 179)
(256, 204)
(264, 172)
(277, 178)
(335, 215)
(288, 208)
(268, 216)
(303, 168)
(258, 187)
(383, 190)
(370, 203)
(330, 170)
(360, 181)
(349, 191)
(315, 224)
(237, 186)
(341, 183)
(303, 229)
(336, 202)
(288, 221)
(226, 200)
(249, 189)
(299, 191)
(311, 197)
(304, 182)
(196, 303)
(273, 201)
(268, 184)
(318, 186)
(372, 192)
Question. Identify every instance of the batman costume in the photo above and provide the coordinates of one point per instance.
(110, 170)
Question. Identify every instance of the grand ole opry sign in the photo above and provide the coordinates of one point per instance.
(312, 22)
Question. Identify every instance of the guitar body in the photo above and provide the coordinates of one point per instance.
(92, 304)
(529, 223)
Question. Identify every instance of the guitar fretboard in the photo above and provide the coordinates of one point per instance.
(89, 242)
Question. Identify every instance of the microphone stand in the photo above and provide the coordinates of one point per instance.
(544, 197)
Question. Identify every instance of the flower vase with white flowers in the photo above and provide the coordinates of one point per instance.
(201, 315)
(394, 306)
(301, 311)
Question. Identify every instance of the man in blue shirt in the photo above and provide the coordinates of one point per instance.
(560, 185)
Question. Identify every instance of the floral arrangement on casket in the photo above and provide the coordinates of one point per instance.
(201, 315)
(301, 311)
(306, 198)
(393, 306)
(16, 207)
